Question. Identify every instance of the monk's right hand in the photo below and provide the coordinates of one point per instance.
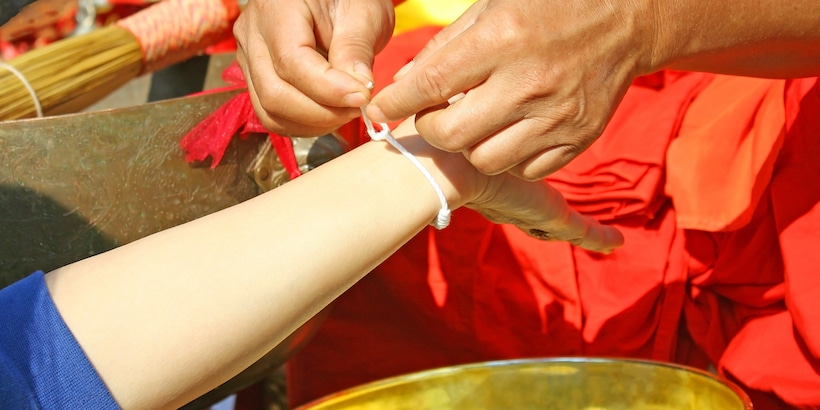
(307, 63)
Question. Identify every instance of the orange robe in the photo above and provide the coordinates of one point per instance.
(713, 181)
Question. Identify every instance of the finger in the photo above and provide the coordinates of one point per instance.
(584, 232)
(356, 40)
(558, 221)
(448, 71)
(284, 110)
(508, 124)
(294, 115)
(292, 41)
(542, 212)
(545, 162)
(493, 125)
(469, 118)
(530, 149)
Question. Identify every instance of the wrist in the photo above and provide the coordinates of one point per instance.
(648, 17)
(761, 38)
(677, 26)
(458, 179)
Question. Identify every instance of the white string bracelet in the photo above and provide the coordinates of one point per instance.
(443, 218)
(25, 82)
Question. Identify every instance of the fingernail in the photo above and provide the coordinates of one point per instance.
(455, 98)
(407, 67)
(356, 99)
(365, 74)
(376, 114)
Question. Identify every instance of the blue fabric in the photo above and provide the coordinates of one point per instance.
(41, 364)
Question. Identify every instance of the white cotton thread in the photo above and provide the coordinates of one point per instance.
(22, 78)
(443, 217)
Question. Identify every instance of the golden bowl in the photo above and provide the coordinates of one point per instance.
(555, 384)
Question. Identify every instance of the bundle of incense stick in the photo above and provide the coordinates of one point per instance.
(73, 73)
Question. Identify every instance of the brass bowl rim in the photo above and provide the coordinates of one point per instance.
(423, 374)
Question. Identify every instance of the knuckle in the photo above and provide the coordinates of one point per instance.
(271, 125)
(285, 128)
(575, 109)
(269, 100)
(487, 164)
(432, 82)
(510, 34)
(582, 238)
(567, 152)
(239, 29)
(449, 141)
(531, 174)
(579, 242)
(562, 156)
(280, 118)
(282, 63)
(443, 135)
(447, 144)
(509, 30)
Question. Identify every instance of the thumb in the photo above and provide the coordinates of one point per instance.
(356, 40)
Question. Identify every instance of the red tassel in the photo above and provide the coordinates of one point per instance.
(284, 149)
(212, 136)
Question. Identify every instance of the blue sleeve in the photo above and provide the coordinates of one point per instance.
(41, 364)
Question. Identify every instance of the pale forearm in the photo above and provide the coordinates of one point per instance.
(242, 279)
(171, 316)
(765, 38)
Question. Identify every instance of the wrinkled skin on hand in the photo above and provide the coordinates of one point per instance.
(307, 62)
(535, 207)
(530, 83)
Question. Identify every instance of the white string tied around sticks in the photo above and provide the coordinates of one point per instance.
(37, 105)
(443, 217)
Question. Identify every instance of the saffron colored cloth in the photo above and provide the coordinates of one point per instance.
(41, 364)
(753, 303)
(712, 179)
(478, 291)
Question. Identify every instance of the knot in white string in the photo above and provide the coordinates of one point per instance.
(443, 217)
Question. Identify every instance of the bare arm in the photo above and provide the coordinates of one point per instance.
(762, 38)
(171, 316)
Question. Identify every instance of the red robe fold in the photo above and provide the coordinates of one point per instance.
(752, 177)
(676, 290)
(713, 181)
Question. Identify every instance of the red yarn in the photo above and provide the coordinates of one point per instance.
(212, 136)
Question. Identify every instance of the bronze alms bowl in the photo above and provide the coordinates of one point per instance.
(555, 384)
